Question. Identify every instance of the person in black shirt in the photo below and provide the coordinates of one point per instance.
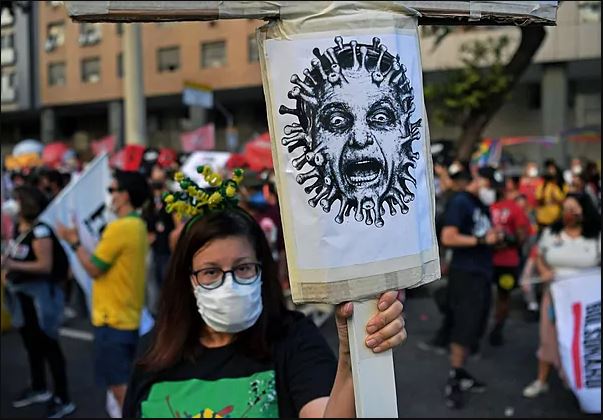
(467, 230)
(225, 345)
(159, 224)
(36, 301)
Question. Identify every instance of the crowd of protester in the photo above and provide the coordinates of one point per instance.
(505, 229)
(495, 226)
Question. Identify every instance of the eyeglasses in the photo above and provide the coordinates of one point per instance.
(112, 190)
(213, 277)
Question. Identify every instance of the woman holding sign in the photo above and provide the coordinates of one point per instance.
(571, 245)
(224, 344)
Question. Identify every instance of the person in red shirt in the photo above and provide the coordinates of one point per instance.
(513, 225)
(530, 181)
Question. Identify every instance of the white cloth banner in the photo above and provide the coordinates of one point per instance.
(577, 301)
(82, 203)
(216, 160)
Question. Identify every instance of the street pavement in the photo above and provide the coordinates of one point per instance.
(420, 375)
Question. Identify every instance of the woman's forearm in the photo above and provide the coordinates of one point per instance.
(33, 267)
(341, 401)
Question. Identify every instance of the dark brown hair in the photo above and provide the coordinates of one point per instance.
(31, 200)
(179, 325)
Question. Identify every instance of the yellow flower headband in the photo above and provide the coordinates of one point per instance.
(194, 201)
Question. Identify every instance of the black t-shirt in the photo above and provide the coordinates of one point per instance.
(23, 251)
(161, 223)
(466, 212)
(223, 382)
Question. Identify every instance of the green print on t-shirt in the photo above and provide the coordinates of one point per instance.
(250, 397)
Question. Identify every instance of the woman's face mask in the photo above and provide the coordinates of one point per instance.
(227, 304)
(232, 307)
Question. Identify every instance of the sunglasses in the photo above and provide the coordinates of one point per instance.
(112, 190)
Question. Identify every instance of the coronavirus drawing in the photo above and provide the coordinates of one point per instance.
(354, 129)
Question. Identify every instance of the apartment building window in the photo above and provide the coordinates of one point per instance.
(91, 70)
(253, 54)
(9, 86)
(213, 54)
(55, 36)
(589, 11)
(90, 33)
(8, 49)
(120, 65)
(168, 59)
(56, 74)
(6, 17)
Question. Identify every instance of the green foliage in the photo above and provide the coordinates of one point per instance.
(471, 87)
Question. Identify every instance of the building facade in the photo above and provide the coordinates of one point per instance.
(78, 71)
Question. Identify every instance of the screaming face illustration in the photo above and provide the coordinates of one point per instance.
(354, 109)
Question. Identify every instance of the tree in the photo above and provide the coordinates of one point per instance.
(473, 94)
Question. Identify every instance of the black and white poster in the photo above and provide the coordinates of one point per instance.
(350, 134)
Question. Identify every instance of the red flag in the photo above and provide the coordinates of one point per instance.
(129, 158)
(203, 138)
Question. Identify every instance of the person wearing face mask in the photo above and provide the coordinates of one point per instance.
(117, 267)
(529, 183)
(513, 223)
(159, 224)
(549, 196)
(224, 344)
(35, 266)
(571, 244)
(468, 231)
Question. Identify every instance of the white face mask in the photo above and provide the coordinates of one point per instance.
(532, 172)
(232, 307)
(109, 204)
(487, 196)
(11, 208)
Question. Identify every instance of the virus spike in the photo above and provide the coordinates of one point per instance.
(391, 202)
(355, 64)
(296, 93)
(317, 185)
(301, 178)
(334, 78)
(399, 196)
(319, 159)
(316, 52)
(320, 195)
(395, 68)
(377, 75)
(363, 52)
(376, 42)
(286, 110)
(331, 55)
(339, 42)
(379, 212)
(327, 202)
(309, 76)
(295, 79)
(299, 162)
(358, 216)
(342, 209)
(300, 136)
(316, 64)
(293, 128)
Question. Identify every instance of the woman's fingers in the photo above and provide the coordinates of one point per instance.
(384, 317)
(390, 331)
(391, 342)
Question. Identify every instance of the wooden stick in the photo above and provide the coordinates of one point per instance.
(373, 373)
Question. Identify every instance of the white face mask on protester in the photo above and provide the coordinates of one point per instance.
(487, 196)
(533, 172)
(232, 307)
(11, 208)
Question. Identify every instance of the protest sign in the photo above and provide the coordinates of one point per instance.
(351, 152)
(577, 301)
(216, 160)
